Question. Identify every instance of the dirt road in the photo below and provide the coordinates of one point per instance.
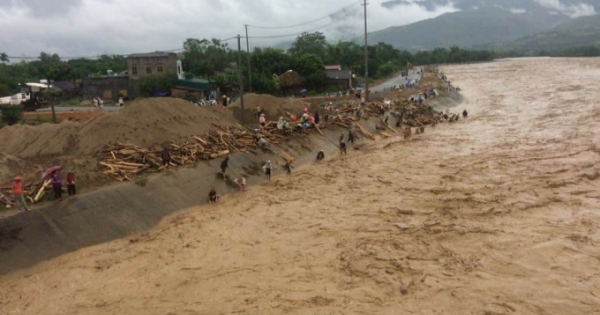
(497, 214)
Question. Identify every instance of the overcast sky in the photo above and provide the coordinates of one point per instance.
(92, 27)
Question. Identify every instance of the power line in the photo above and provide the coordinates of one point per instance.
(309, 30)
(329, 16)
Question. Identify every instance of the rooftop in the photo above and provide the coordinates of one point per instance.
(152, 55)
(333, 67)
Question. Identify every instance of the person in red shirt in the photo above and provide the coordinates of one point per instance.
(71, 183)
(17, 188)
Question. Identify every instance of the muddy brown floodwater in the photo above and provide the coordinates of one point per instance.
(496, 214)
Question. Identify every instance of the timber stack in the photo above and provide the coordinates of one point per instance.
(33, 193)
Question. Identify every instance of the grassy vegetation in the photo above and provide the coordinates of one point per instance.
(70, 102)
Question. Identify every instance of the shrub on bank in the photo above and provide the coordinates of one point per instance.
(11, 114)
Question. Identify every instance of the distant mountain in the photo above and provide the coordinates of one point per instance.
(580, 32)
(572, 8)
(467, 28)
(479, 22)
(579, 24)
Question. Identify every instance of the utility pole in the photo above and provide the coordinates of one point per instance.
(49, 100)
(249, 70)
(366, 56)
(239, 38)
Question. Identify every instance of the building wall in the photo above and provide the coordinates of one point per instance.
(109, 88)
(144, 66)
(339, 84)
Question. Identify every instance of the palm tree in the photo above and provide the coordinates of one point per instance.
(4, 58)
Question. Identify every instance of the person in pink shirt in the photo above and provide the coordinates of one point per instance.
(262, 120)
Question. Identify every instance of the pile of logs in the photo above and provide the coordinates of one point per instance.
(123, 161)
(33, 193)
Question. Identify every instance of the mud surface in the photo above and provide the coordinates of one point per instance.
(496, 214)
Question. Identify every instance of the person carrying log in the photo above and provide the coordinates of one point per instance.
(57, 185)
(166, 157)
(320, 156)
(17, 190)
(71, 183)
(224, 166)
(213, 196)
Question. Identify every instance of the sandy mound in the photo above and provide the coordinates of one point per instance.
(10, 166)
(145, 122)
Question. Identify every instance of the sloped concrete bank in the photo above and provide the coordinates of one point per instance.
(124, 209)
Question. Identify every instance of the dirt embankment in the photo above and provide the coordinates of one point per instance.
(146, 123)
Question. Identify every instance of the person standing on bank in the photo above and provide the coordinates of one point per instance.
(17, 189)
(351, 136)
(224, 166)
(262, 120)
(268, 167)
(224, 100)
(57, 185)
(166, 157)
(71, 183)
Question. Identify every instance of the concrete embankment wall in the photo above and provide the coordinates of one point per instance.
(126, 209)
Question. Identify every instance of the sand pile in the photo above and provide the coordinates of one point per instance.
(146, 122)
(11, 166)
(272, 106)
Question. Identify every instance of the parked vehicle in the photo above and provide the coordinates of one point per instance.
(31, 96)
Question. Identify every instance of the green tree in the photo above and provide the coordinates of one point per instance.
(156, 83)
(206, 58)
(386, 70)
(313, 69)
(4, 58)
(271, 60)
(309, 43)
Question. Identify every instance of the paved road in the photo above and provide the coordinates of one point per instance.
(398, 80)
(61, 109)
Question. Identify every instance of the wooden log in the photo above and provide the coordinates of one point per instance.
(128, 164)
(41, 191)
(319, 130)
(365, 132)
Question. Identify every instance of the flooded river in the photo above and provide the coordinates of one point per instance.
(495, 214)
